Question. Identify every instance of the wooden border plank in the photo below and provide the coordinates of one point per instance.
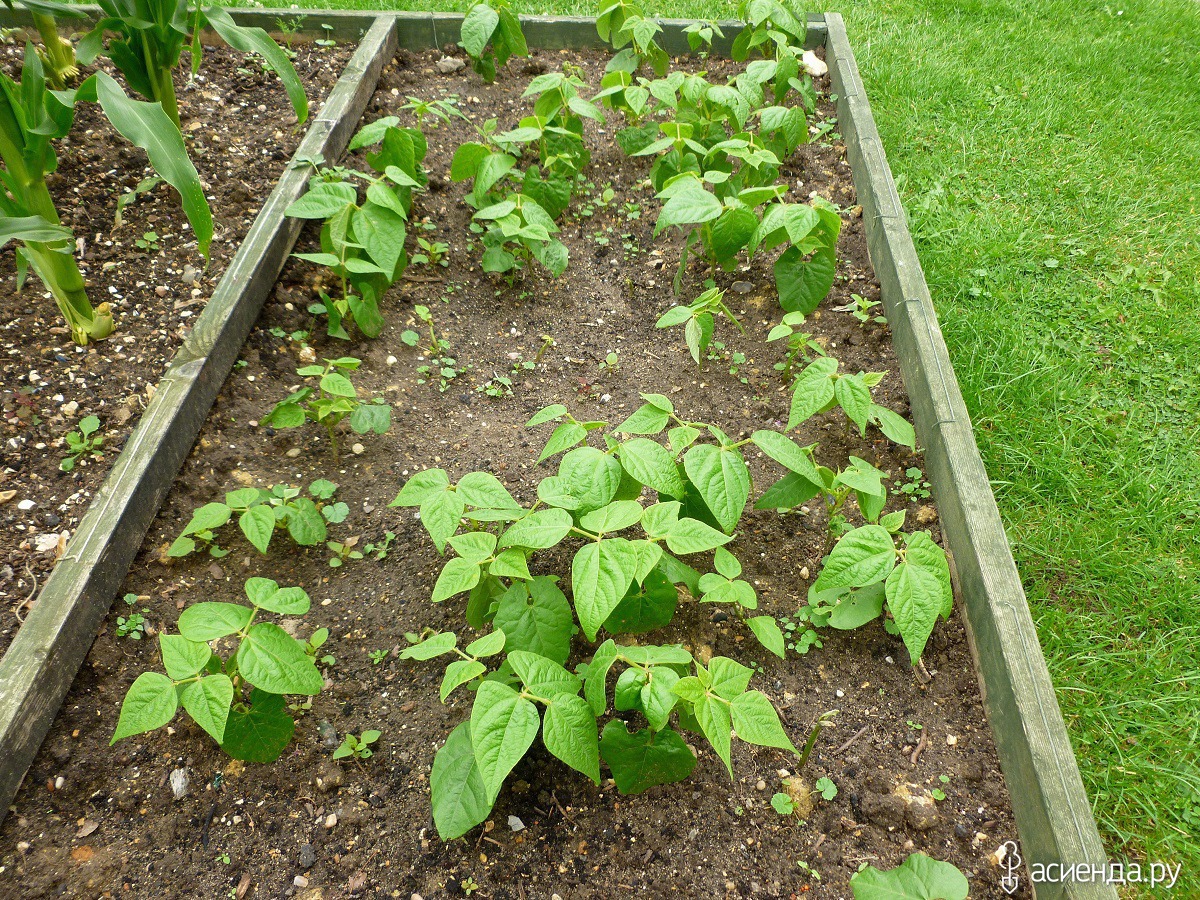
(51, 645)
(433, 30)
(1052, 811)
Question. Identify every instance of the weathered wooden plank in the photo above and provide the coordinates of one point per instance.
(42, 661)
(428, 30)
(1054, 818)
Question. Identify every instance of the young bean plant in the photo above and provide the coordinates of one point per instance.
(491, 35)
(363, 244)
(238, 700)
(333, 400)
(699, 317)
(260, 513)
(624, 25)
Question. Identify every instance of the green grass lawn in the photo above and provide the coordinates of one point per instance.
(1051, 174)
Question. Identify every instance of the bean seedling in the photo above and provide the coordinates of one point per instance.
(239, 701)
(699, 317)
(259, 513)
(333, 400)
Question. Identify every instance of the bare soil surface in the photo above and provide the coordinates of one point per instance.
(309, 827)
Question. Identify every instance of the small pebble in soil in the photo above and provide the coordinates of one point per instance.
(26, 505)
(515, 824)
(358, 449)
(300, 881)
(762, 785)
(331, 821)
(391, 360)
(743, 287)
(293, 453)
(308, 856)
(179, 783)
(448, 65)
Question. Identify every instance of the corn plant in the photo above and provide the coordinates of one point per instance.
(32, 117)
(145, 39)
(491, 35)
(57, 53)
(239, 701)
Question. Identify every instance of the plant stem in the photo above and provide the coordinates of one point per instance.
(161, 82)
(59, 54)
(56, 267)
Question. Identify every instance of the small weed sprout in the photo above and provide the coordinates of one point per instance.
(440, 366)
(83, 442)
(860, 308)
(357, 747)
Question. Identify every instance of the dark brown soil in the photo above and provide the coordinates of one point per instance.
(365, 830)
(241, 131)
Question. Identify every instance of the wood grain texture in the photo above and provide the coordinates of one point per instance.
(1053, 815)
(42, 661)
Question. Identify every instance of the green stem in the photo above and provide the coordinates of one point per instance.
(56, 267)
(161, 82)
(59, 55)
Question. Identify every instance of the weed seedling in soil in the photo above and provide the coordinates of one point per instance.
(239, 701)
(434, 111)
(133, 627)
(85, 441)
(433, 253)
(826, 788)
(144, 186)
(497, 387)
(915, 487)
(342, 551)
(259, 513)
(800, 344)
(148, 241)
(377, 656)
(783, 803)
(314, 644)
(381, 549)
(860, 308)
(357, 747)
(334, 400)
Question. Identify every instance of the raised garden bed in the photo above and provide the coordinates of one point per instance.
(363, 827)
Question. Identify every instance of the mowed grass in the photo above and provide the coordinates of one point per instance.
(1048, 154)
